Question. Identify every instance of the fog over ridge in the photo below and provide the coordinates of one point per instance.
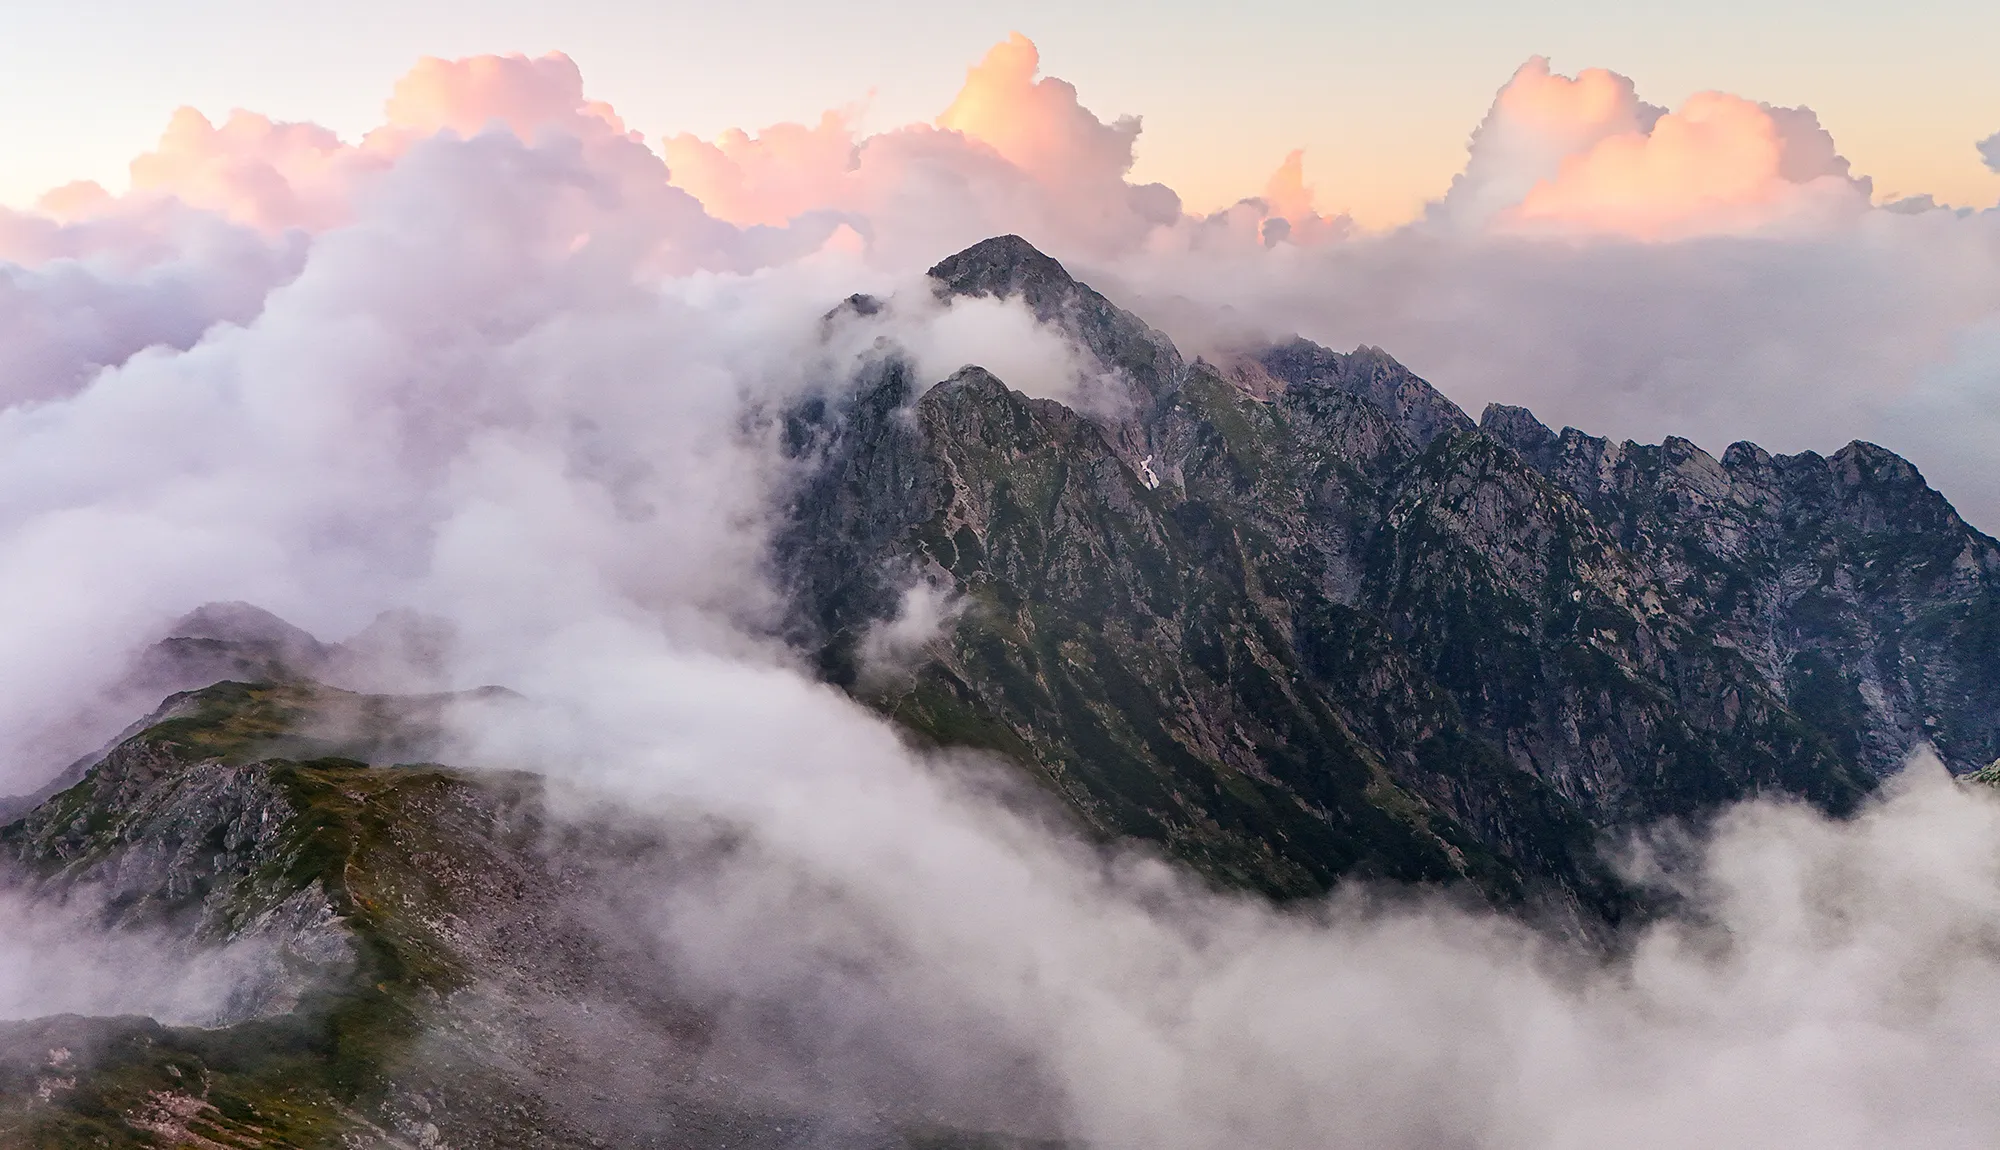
(502, 364)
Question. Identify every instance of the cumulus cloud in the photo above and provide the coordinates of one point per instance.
(268, 175)
(490, 364)
(273, 176)
(84, 293)
(1537, 121)
(1290, 213)
(1718, 164)
(277, 176)
(1586, 155)
(1038, 124)
(1012, 153)
(526, 96)
(1989, 150)
(784, 171)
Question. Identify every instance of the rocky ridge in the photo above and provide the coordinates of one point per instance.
(1291, 617)
(1295, 615)
(427, 957)
(1852, 586)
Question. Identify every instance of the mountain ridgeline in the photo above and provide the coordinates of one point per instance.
(421, 957)
(1291, 618)
(1295, 616)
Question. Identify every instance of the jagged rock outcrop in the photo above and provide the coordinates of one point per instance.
(1293, 618)
(1136, 655)
(1297, 616)
(1853, 588)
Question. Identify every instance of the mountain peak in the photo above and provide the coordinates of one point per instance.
(228, 641)
(238, 622)
(972, 378)
(1002, 266)
(1518, 428)
(1009, 267)
(1512, 422)
(1419, 409)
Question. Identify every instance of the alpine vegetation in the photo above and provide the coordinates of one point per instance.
(520, 639)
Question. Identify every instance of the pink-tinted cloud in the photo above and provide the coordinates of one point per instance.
(1586, 156)
(1038, 124)
(1720, 164)
(1537, 121)
(525, 96)
(783, 171)
(1017, 151)
(1989, 150)
(1013, 152)
(78, 198)
(1286, 191)
(634, 210)
(220, 216)
(88, 292)
(254, 170)
(1291, 213)
(274, 176)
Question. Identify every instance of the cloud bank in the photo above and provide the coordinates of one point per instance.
(1714, 270)
(502, 362)
(1827, 984)
(1586, 156)
(1011, 153)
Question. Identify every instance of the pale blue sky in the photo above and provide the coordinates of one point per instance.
(1381, 95)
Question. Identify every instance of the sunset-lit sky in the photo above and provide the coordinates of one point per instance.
(1382, 97)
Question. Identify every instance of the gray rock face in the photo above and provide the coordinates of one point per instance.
(1859, 595)
(1519, 633)
(1412, 405)
(1133, 649)
(1292, 617)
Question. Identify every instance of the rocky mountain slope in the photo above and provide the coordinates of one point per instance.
(1296, 616)
(1853, 587)
(1292, 617)
(422, 957)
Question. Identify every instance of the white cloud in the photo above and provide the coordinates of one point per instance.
(60, 958)
(1824, 985)
(505, 373)
(924, 614)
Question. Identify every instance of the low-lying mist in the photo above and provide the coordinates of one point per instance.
(60, 958)
(497, 369)
(898, 927)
